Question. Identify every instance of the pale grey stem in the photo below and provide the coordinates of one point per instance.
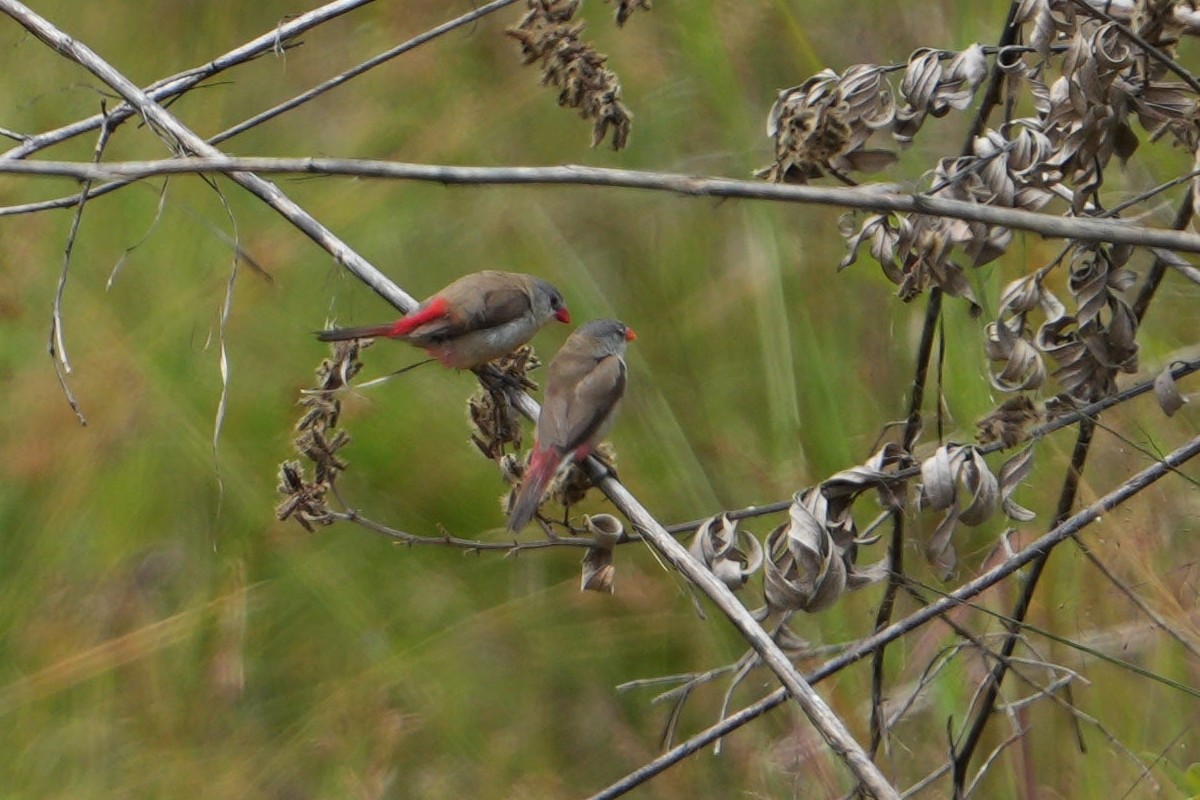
(252, 50)
(866, 198)
(369, 64)
(267, 42)
(822, 717)
(164, 121)
(867, 645)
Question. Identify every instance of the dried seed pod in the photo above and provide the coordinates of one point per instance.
(605, 528)
(951, 468)
(599, 572)
(732, 554)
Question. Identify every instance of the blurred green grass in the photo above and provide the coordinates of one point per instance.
(161, 634)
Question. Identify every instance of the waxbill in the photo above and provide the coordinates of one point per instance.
(478, 318)
(584, 384)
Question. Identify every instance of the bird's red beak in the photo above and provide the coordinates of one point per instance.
(630, 335)
(562, 315)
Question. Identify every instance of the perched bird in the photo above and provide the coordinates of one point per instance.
(584, 384)
(478, 318)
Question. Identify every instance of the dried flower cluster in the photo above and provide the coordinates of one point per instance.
(811, 560)
(547, 35)
(495, 424)
(318, 439)
(626, 9)
(1086, 79)
(820, 126)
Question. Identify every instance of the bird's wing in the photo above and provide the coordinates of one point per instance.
(475, 307)
(592, 402)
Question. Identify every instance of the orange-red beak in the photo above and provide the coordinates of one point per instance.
(562, 315)
(630, 335)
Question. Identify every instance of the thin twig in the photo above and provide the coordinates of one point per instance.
(1127, 489)
(298, 100)
(830, 726)
(878, 199)
(1066, 501)
(1090, 411)
(362, 68)
(171, 87)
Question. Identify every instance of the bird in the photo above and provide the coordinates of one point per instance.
(584, 385)
(476, 319)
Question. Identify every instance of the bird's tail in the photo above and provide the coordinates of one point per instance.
(364, 332)
(437, 307)
(542, 466)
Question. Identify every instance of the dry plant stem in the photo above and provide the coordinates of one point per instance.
(917, 619)
(1090, 411)
(912, 424)
(163, 121)
(827, 723)
(912, 429)
(1158, 269)
(1066, 500)
(866, 198)
(366, 66)
(271, 113)
(270, 41)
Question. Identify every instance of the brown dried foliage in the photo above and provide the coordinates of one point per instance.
(318, 439)
(547, 35)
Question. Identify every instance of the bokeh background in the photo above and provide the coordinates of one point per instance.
(161, 635)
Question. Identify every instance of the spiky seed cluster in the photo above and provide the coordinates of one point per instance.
(495, 424)
(626, 8)
(546, 34)
(318, 439)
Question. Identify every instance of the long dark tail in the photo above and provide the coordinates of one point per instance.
(542, 466)
(434, 308)
(363, 332)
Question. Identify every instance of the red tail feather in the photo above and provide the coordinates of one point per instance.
(542, 466)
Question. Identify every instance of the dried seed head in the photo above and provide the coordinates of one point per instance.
(1009, 422)
(572, 66)
(820, 126)
(319, 439)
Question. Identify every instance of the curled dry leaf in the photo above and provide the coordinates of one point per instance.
(733, 555)
(877, 473)
(1166, 392)
(606, 529)
(951, 470)
(599, 572)
(1012, 473)
(810, 559)
(931, 89)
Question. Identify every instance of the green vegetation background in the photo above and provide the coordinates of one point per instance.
(162, 636)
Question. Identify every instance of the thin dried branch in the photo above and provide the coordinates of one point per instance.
(1127, 489)
(360, 69)
(271, 41)
(831, 727)
(869, 198)
(294, 28)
